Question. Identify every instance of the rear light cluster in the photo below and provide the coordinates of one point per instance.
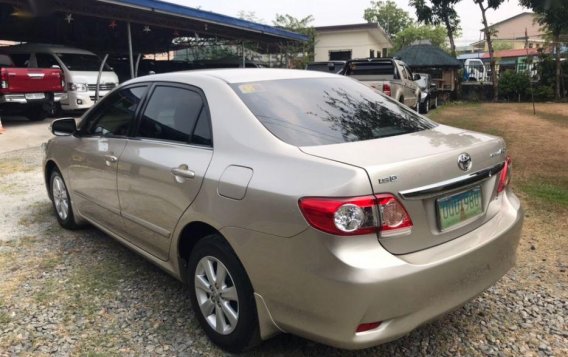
(3, 78)
(387, 89)
(357, 215)
(505, 176)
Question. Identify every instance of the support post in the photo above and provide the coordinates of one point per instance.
(137, 64)
(244, 58)
(99, 77)
(130, 55)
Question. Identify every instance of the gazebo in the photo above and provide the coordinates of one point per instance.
(423, 57)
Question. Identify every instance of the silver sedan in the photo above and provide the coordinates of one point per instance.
(290, 201)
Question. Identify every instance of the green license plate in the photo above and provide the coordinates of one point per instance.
(459, 208)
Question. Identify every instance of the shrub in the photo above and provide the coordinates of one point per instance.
(514, 86)
(543, 93)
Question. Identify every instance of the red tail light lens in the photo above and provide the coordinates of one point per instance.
(341, 216)
(3, 78)
(368, 326)
(387, 89)
(505, 176)
(357, 215)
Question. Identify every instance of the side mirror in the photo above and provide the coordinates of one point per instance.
(416, 77)
(331, 66)
(63, 127)
(55, 67)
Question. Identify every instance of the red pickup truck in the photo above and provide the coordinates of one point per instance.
(32, 92)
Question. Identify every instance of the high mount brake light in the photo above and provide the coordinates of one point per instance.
(356, 215)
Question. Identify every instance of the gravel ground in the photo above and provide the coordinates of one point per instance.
(81, 293)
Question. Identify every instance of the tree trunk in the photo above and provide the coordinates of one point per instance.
(558, 72)
(491, 57)
(450, 36)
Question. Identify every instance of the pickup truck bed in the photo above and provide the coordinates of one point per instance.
(31, 91)
(387, 75)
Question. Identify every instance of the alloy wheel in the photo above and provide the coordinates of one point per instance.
(216, 295)
(60, 198)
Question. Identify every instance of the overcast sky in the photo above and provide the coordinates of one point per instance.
(342, 12)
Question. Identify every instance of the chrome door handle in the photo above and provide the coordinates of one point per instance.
(183, 172)
(110, 159)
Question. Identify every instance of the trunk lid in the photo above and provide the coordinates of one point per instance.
(422, 170)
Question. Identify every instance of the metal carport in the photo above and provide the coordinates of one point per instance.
(123, 27)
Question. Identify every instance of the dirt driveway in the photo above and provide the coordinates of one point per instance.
(20, 133)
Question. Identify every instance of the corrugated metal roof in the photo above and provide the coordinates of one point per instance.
(207, 16)
(426, 55)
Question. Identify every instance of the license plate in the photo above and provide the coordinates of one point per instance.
(458, 208)
(35, 96)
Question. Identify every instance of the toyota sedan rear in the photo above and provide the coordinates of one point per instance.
(291, 201)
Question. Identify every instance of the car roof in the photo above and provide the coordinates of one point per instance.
(238, 75)
(30, 47)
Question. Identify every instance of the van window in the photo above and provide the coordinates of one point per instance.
(46, 60)
(20, 59)
(81, 62)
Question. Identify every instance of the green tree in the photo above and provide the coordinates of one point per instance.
(250, 16)
(435, 34)
(553, 15)
(392, 18)
(439, 12)
(485, 5)
(514, 85)
(297, 55)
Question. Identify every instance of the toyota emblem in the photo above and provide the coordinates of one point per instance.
(464, 161)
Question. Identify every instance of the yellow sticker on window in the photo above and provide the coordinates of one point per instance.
(250, 88)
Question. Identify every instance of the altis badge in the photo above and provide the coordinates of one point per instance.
(388, 179)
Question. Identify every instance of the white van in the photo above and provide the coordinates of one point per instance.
(80, 68)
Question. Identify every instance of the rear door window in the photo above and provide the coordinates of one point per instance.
(21, 60)
(176, 114)
(319, 111)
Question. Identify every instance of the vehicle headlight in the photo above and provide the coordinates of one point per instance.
(77, 87)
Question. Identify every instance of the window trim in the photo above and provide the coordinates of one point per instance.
(93, 111)
(150, 92)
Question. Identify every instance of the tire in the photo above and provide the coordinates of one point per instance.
(417, 107)
(226, 310)
(61, 201)
(36, 113)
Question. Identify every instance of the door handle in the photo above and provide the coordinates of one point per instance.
(183, 171)
(110, 159)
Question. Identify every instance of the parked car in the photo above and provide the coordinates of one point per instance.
(27, 91)
(290, 201)
(388, 75)
(428, 93)
(328, 66)
(80, 68)
(475, 71)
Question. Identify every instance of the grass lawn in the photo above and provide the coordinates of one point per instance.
(538, 145)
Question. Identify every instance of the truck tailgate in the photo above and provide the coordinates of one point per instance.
(31, 80)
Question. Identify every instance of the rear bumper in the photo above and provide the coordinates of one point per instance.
(21, 98)
(322, 287)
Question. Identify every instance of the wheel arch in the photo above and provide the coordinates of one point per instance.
(189, 235)
(50, 166)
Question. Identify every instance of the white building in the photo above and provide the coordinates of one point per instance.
(345, 42)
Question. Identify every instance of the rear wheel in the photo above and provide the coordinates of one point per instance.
(435, 103)
(222, 295)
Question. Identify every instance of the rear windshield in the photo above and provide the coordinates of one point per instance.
(371, 68)
(324, 67)
(320, 111)
(81, 62)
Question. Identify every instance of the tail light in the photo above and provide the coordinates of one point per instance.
(382, 214)
(3, 78)
(505, 176)
(387, 89)
(367, 326)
